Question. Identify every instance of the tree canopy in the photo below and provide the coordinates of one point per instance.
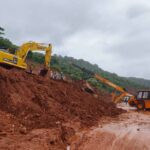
(6, 43)
(1, 30)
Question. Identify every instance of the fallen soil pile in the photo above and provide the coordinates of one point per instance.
(31, 102)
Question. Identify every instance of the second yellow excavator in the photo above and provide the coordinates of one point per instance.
(18, 59)
(118, 95)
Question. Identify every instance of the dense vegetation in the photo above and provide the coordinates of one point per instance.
(64, 64)
(6, 43)
(143, 82)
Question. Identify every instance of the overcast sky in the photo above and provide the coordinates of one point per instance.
(115, 34)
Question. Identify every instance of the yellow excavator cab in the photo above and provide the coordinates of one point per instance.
(11, 60)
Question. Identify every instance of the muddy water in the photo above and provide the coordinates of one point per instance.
(131, 131)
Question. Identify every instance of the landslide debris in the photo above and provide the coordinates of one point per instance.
(31, 102)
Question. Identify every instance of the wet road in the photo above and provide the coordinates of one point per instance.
(130, 131)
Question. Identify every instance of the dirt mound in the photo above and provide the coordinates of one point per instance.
(36, 102)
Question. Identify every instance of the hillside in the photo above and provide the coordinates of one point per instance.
(143, 82)
(64, 64)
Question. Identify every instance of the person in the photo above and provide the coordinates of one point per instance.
(31, 68)
(62, 75)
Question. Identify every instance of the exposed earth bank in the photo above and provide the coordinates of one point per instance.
(38, 113)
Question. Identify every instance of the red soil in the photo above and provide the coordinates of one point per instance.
(30, 102)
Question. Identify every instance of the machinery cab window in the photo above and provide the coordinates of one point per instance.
(143, 95)
(126, 98)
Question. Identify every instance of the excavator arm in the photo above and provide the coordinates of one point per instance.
(115, 97)
(109, 83)
(33, 46)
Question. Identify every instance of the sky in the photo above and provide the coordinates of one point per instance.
(115, 34)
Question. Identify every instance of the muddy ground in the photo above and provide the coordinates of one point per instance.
(131, 131)
(38, 113)
(128, 131)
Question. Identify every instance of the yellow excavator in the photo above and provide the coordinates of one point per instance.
(18, 59)
(123, 95)
(120, 94)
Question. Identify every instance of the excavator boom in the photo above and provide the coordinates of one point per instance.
(109, 83)
(115, 98)
(22, 52)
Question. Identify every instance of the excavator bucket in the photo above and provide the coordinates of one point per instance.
(43, 72)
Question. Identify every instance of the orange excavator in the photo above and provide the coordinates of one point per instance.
(118, 95)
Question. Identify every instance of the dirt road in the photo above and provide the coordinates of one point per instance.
(131, 131)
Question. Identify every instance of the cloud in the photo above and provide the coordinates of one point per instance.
(137, 10)
(112, 33)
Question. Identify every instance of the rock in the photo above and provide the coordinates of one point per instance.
(23, 130)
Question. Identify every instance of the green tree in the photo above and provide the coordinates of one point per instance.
(1, 30)
(6, 43)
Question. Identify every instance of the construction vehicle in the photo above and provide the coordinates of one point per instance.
(118, 95)
(18, 59)
(142, 100)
